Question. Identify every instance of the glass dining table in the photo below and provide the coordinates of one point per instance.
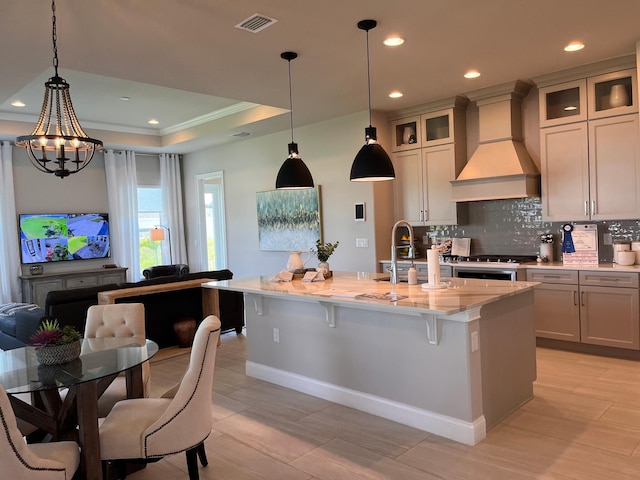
(35, 390)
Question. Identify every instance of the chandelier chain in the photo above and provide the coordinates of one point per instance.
(54, 36)
(290, 102)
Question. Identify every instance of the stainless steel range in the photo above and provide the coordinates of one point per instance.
(492, 267)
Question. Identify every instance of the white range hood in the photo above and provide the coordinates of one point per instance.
(500, 167)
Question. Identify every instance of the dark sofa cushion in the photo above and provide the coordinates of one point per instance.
(165, 270)
(70, 306)
(213, 275)
(19, 324)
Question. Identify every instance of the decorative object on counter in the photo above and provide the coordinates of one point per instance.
(546, 247)
(626, 257)
(323, 251)
(295, 261)
(412, 275)
(293, 173)
(580, 244)
(36, 269)
(620, 246)
(635, 247)
(618, 97)
(55, 345)
(372, 164)
(288, 219)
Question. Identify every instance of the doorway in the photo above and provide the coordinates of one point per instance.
(212, 226)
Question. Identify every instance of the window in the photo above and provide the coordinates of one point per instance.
(149, 208)
(213, 251)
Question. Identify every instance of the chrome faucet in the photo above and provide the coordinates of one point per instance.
(393, 278)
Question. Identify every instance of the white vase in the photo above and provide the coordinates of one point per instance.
(618, 97)
(408, 135)
(324, 268)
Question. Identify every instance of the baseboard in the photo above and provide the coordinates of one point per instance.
(469, 433)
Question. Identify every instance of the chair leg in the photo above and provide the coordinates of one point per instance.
(192, 463)
(202, 455)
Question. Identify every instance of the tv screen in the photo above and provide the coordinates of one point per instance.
(59, 237)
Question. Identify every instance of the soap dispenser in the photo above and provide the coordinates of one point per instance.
(413, 275)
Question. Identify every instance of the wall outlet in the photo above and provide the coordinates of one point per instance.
(276, 335)
(425, 239)
(474, 341)
(607, 239)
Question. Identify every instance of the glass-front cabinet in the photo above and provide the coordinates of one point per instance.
(612, 94)
(406, 134)
(438, 128)
(565, 103)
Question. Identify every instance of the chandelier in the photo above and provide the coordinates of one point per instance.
(58, 144)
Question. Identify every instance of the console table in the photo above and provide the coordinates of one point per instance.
(36, 287)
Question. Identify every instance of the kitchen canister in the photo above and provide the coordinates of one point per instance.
(635, 247)
(626, 257)
(619, 246)
(546, 252)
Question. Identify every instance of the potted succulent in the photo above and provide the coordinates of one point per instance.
(323, 251)
(54, 344)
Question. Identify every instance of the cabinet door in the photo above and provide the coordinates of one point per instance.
(564, 103)
(556, 312)
(406, 134)
(408, 186)
(565, 172)
(438, 167)
(610, 316)
(40, 289)
(614, 164)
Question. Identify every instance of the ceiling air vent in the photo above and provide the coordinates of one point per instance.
(256, 22)
(241, 134)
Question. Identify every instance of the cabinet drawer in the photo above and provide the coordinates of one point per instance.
(80, 282)
(609, 279)
(552, 276)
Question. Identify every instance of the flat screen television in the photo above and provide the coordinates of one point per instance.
(61, 237)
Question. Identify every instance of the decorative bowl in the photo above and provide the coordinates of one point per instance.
(56, 354)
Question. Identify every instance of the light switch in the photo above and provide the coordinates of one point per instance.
(362, 243)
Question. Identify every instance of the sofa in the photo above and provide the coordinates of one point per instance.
(167, 300)
(18, 321)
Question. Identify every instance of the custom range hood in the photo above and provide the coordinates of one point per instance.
(500, 167)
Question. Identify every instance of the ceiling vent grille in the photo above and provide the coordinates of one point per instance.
(241, 134)
(256, 23)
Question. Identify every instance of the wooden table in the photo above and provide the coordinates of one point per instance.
(86, 378)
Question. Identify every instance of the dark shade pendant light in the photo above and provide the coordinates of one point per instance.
(293, 173)
(372, 164)
(58, 131)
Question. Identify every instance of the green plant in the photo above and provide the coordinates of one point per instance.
(324, 250)
(50, 333)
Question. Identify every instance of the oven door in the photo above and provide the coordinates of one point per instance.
(484, 273)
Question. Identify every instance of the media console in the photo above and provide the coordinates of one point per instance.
(36, 287)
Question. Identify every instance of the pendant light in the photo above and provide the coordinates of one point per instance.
(372, 164)
(293, 173)
(58, 131)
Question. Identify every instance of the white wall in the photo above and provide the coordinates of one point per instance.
(251, 166)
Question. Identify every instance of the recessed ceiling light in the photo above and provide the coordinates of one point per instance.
(18, 103)
(393, 41)
(472, 74)
(574, 47)
(153, 121)
(125, 99)
(395, 94)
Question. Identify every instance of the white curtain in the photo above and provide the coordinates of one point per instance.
(122, 189)
(9, 247)
(172, 214)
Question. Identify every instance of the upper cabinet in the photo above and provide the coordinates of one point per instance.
(590, 147)
(424, 169)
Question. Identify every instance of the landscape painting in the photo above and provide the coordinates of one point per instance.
(288, 220)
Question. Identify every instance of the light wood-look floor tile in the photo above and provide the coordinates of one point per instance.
(583, 424)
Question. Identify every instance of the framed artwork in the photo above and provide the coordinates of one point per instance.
(288, 220)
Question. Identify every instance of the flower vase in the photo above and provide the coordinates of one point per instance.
(324, 268)
(408, 136)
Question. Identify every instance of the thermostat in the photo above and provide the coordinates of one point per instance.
(359, 212)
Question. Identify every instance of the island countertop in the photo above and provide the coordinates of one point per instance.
(366, 291)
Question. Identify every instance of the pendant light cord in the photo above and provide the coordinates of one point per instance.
(369, 77)
(54, 37)
(290, 102)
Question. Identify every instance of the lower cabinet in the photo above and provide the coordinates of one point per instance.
(599, 308)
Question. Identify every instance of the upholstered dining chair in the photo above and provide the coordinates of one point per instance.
(148, 429)
(37, 461)
(120, 320)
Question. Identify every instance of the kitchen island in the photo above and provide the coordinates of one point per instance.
(453, 361)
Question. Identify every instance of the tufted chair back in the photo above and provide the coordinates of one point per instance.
(43, 461)
(119, 320)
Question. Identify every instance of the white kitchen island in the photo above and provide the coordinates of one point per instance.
(453, 361)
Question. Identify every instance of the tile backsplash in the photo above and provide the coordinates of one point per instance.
(515, 226)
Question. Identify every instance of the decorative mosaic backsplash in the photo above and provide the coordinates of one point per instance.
(515, 226)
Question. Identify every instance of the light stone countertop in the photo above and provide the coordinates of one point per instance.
(344, 288)
(601, 267)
